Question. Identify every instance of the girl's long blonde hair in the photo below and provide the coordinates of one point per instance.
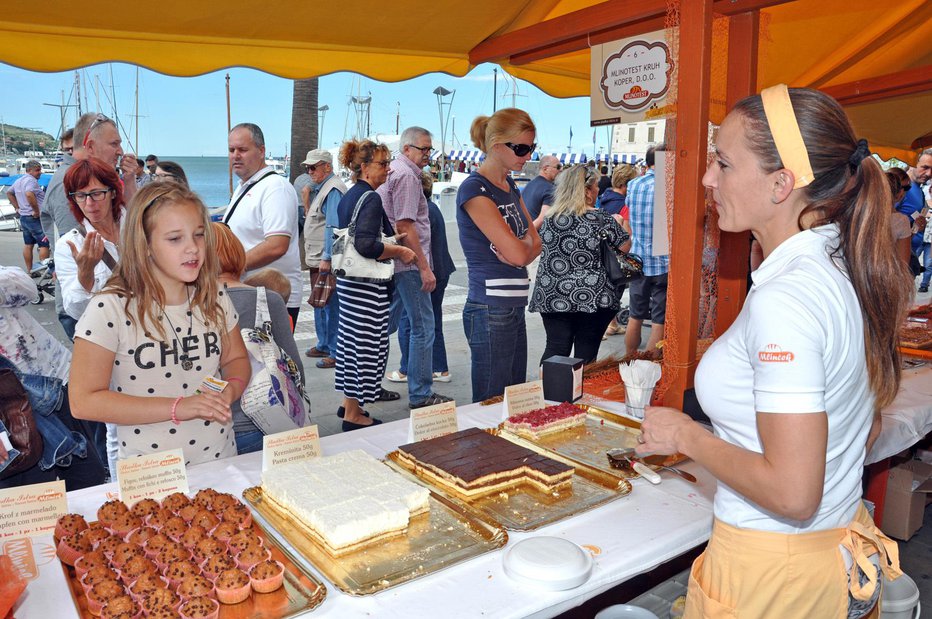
(569, 196)
(133, 278)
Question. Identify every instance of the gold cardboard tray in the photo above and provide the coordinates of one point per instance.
(587, 444)
(526, 508)
(301, 592)
(445, 535)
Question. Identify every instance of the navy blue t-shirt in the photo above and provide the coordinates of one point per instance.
(612, 202)
(536, 194)
(491, 281)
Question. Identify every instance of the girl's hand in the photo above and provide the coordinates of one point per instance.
(208, 406)
(661, 430)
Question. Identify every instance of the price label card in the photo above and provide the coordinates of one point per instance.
(290, 446)
(153, 476)
(32, 510)
(432, 421)
(523, 398)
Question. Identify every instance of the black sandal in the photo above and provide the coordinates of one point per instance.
(388, 396)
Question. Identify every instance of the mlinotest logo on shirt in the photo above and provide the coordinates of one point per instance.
(774, 354)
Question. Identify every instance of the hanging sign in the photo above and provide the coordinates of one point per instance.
(630, 80)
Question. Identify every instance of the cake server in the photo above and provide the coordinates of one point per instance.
(639, 467)
(628, 454)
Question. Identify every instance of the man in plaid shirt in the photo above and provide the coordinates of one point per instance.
(648, 294)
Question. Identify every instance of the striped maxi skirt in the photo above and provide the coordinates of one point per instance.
(362, 339)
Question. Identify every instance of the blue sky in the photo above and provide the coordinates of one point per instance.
(187, 116)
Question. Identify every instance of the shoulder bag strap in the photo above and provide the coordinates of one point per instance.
(262, 307)
(351, 229)
(107, 257)
(246, 188)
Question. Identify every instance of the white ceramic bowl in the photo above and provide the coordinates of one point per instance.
(551, 563)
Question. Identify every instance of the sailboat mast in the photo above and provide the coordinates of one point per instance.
(229, 127)
(136, 111)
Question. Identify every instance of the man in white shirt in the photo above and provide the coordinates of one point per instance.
(263, 212)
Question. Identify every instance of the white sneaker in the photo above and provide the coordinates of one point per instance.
(442, 377)
(396, 377)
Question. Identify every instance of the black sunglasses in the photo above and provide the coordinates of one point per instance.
(521, 150)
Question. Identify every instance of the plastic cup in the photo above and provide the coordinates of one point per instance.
(636, 399)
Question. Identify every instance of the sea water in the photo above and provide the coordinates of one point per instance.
(208, 176)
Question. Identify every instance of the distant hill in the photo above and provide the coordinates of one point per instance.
(20, 139)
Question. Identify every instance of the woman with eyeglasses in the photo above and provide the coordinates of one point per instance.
(575, 299)
(85, 256)
(170, 171)
(499, 241)
(362, 335)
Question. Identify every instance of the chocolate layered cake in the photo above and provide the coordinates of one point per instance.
(343, 516)
(473, 463)
(548, 420)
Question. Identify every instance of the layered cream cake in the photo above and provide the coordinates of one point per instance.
(345, 501)
(473, 463)
(548, 420)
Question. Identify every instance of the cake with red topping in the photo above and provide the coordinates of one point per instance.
(472, 463)
(548, 420)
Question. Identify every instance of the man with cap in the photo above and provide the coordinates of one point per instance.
(321, 219)
(27, 196)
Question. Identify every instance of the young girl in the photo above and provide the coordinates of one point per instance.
(157, 329)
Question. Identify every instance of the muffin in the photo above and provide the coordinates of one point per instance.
(208, 547)
(146, 584)
(200, 608)
(175, 501)
(95, 535)
(69, 524)
(90, 560)
(177, 571)
(206, 519)
(141, 535)
(189, 511)
(157, 518)
(101, 593)
(244, 539)
(222, 501)
(136, 567)
(171, 553)
(232, 586)
(155, 544)
(216, 564)
(107, 512)
(122, 524)
(192, 536)
(251, 555)
(109, 544)
(267, 576)
(159, 598)
(96, 575)
(174, 527)
(125, 551)
(71, 548)
(144, 507)
(224, 531)
(163, 612)
(205, 498)
(121, 607)
(238, 514)
(196, 586)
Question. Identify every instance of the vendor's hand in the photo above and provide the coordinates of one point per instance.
(406, 255)
(661, 430)
(208, 406)
(428, 280)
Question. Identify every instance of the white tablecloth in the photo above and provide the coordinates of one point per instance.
(632, 535)
(908, 418)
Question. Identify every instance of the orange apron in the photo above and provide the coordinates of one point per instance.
(761, 574)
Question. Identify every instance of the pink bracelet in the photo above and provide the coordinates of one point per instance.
(175, 409)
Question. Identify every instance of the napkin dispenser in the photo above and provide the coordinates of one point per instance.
(563, 378)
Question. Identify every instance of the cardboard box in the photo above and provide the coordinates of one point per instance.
(562, 378)
(908, 486)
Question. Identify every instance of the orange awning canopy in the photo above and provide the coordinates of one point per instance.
(817, 43)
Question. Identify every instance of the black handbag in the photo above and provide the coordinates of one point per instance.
(620, 268)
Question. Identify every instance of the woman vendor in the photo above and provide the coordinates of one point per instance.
(810, 361)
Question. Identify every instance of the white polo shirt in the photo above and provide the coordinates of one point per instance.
(270, 208)
(796, 347)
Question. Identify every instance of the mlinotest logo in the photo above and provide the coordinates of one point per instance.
(774, 354)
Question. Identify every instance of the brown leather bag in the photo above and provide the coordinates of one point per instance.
(322, 287)
(16, 414)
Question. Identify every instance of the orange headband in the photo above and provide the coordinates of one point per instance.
(786, 134)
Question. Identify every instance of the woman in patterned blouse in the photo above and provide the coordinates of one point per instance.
(572, 293)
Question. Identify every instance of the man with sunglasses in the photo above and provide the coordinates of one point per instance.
(321, 220)
(404, 203)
